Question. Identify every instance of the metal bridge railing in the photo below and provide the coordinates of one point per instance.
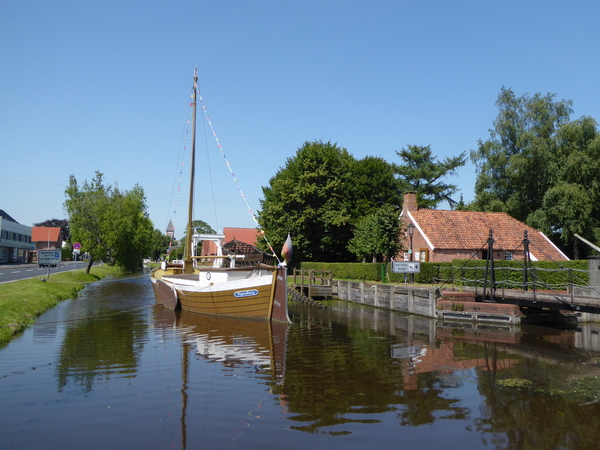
(500, 279)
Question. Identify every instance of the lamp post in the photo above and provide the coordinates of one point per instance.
(410, 229)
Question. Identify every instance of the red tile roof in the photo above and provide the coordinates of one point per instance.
(247, 235)
(470, 230)
(40, 234)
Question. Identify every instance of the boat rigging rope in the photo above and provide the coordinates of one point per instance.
(260, 229)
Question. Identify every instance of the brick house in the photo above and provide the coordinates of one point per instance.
(46, 237)
(442, 236)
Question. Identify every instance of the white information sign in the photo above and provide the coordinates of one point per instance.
(406, 267)
(49, 258)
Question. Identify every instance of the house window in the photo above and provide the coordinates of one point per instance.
(508, 256)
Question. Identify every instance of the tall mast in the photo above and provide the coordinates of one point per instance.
(188, 266)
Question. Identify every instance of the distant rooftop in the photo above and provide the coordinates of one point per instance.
(44, 234)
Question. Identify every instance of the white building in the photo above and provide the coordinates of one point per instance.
(15, 240)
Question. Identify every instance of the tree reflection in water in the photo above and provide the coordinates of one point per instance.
(349, 365)
(95, 350)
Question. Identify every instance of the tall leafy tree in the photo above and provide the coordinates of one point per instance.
(131, 231)
(320, 196)
(376, 235)
(572, 204)
(373, 185)
(159, 245)
(514, 166)
(542, 168)
(86, 207)
(108, 223)
(421, 172)
(308, 198)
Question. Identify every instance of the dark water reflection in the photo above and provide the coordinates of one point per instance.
(110, 369)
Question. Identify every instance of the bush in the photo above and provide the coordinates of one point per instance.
(509, 274)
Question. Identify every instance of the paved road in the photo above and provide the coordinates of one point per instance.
(14, 272)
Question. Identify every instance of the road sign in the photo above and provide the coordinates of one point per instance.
(406, 267)
(48, 257)
(76, 245)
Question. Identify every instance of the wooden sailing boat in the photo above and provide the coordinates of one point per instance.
(258, 291)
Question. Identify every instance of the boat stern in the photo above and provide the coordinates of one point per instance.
(280, 307)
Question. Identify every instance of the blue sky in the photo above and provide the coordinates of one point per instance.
(88, 86)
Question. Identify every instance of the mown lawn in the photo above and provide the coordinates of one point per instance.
(21, 302)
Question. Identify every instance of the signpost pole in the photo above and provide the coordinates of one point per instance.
(406, 268)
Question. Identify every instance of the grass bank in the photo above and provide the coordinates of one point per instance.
(21, 302)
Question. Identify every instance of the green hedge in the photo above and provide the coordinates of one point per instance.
(352, 271)
(373, 271)
(465, 273)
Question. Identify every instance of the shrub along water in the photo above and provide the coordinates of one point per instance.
(465, 273)
(21, 302)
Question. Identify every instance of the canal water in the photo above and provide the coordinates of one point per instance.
(110, 369)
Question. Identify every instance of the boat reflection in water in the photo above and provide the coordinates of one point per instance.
(229, 339)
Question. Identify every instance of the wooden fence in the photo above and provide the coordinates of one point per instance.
(313, 283)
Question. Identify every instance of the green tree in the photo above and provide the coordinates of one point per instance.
(131, 230)
(160, 244)
(309, 199)
(514, 166)
(373, 184)
(86, 207)
(109, 224)
(198, 227)
(376, 235)
(320, 196)
(176, 250)
(66, 252)
(572, 205)
(542, 169)
(422, 173)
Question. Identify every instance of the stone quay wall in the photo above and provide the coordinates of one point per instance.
(424, 302)
(412, 300)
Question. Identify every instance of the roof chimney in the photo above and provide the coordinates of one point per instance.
(410, 202)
